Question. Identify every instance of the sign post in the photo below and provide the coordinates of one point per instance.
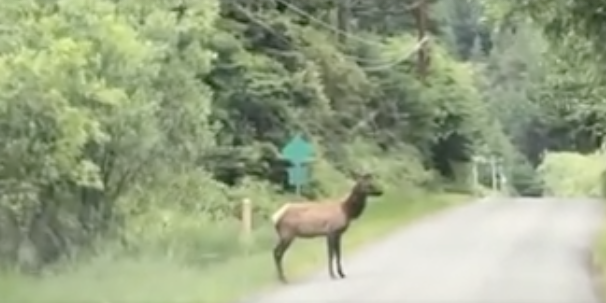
(298, 152)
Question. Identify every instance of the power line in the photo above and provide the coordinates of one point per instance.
(268, 27)
(418, 46)
(377, 64)
(325, 24)
(378, 67)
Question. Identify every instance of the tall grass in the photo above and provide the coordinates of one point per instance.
(161, 279)
(180, 251)
(568, 174)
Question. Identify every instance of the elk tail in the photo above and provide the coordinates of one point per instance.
(277, 216)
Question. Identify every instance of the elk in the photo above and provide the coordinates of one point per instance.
(328, 218)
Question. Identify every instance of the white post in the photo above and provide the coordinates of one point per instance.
(246, 219)
(493, 173)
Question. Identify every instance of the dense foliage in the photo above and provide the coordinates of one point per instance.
(570, 93)
(147, 122)
(556, 169)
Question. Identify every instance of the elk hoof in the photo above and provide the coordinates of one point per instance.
(342, 275)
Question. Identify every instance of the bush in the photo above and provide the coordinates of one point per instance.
(567, 174)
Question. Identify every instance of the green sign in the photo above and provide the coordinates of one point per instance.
(298, 152)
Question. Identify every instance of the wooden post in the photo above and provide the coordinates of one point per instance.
(246, 219)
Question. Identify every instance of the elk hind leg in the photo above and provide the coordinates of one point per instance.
(331, 247)
(338, 255)
(279, 251)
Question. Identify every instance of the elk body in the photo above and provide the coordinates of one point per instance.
(329, 219)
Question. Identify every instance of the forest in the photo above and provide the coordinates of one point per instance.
(136, 127)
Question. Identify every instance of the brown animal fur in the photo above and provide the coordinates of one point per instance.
(328, 218)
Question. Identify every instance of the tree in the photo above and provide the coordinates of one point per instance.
(115, 114)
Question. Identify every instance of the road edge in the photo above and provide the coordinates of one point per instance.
(596, 267)
(307, 277)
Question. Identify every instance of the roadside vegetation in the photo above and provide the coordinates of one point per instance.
(146, 278)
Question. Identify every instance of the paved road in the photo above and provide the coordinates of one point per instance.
(496, 251)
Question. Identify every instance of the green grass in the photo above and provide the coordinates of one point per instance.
(146, 280)
(598, 260)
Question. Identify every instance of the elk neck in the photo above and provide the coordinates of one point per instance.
(355, 204)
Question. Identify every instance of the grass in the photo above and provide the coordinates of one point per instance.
(146, 280)
(598, 263)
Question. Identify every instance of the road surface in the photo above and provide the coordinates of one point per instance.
(492, 251)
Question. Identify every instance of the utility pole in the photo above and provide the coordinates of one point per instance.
(343, 18)
(420, 11)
